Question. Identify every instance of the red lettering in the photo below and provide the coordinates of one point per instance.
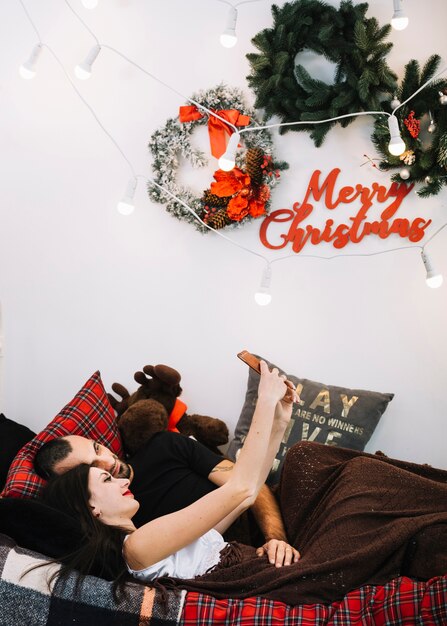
(417, 229)
(356, 222)
(340, 235)
(400, 226)
(345, 194)
(282, 215)
(327, 188)
(400, 190)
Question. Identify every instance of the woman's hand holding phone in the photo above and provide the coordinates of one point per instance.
(252, 361)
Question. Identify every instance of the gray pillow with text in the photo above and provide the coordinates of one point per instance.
(327, 414)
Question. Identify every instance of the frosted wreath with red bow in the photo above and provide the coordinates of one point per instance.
(234, 197)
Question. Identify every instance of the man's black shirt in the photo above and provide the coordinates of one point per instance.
(170, 473)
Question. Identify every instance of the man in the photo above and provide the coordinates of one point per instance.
(168, 473)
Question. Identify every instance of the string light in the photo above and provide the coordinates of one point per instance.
(263, 295)
(123, 56)
(399, 21)
(228, 160)
(257, 127)
(126, 205)
(397, 145)
(229, 38)
(28, 69)
(234, 139)
(433, 279)
(84, 69)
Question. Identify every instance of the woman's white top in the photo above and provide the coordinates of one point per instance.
(194, 560)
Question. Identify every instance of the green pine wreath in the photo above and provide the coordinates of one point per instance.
(344, 36)
(425, 160)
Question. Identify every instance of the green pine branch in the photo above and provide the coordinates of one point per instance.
(309, 84)
(411, 81)
(429, 69)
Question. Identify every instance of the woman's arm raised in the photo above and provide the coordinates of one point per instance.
(281, 418)
(162, 537)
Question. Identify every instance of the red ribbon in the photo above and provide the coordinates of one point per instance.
(176, 415)
(217, 129)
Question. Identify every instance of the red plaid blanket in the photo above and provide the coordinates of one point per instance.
(401, 602)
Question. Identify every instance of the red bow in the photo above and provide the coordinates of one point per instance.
(217, 129)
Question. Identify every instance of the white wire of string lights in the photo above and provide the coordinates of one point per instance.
(126, 206)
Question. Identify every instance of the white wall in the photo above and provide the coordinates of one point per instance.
(83, 288)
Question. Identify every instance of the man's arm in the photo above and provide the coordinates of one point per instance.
(268, 516)
(265, 509)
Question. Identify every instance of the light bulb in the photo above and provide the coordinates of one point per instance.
(263, 295)
(90, 4)
(125, 208)
(228, 160)
(263, 298)
(434, 281)
(399, 21)
(226, 164)
(84, 69)
(126, 205)
(28, 69)
(397, 144)
(229, 38)
(26, 73)
(433, 278)
(82, 73)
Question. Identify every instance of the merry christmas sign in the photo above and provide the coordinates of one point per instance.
(325, 193)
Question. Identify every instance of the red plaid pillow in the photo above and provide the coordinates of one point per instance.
(89, 414)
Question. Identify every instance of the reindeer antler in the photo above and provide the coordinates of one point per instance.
(119, 405)
(166, 374)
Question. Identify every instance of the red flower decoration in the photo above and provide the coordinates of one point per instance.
(245, 200)
(228, 183)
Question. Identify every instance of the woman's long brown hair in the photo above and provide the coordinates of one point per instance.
(100, 551)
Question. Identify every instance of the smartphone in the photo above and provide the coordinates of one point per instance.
(251, 360)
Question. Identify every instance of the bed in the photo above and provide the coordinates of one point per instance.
(26, 599)
(25, 540)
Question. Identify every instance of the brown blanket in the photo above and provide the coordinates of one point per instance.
(356, 519)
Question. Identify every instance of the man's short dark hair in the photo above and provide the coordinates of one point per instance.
(49, 454)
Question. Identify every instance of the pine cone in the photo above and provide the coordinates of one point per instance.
(253, 162)
(211, 200)
(217, 220)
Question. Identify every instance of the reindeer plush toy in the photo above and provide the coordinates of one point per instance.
(155, 406)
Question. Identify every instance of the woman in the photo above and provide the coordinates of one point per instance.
(187, 543)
